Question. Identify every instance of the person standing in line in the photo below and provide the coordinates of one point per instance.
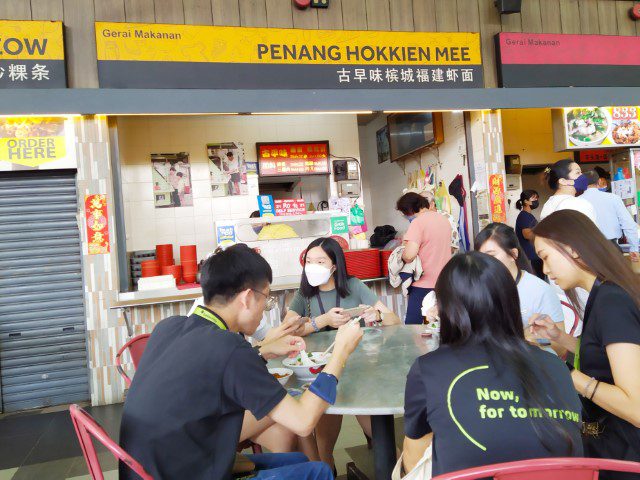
(429, 238)
(607, 355)
(566, 180)
(529, 201)
(613, 217)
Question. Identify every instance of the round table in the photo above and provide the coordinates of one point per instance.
(373, 381)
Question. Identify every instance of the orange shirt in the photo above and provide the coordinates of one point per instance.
(432, 232)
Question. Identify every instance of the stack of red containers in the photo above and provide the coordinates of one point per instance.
(175, 270)
(150, 268)
(363, 263)
(164, 254)
(189, 261)
(384, 261)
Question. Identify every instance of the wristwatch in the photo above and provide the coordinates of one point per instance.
(257, 349)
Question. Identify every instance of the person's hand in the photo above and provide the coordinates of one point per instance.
(541, 326)
(288, 346)
(370, 315)
(348, 338)
(635, 256)
(291, 326)
(335, 317)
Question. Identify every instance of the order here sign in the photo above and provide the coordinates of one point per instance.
(135, 55)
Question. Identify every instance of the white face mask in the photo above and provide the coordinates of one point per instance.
(317, 274)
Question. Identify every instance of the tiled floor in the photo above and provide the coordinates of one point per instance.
(43, 445)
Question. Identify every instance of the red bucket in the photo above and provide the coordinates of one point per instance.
(384, 261)
(188, 253)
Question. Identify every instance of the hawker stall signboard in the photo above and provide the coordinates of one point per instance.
(596, 127)
(566, 60)
(31, 55)
(293, 158)
(135, 55)
(290, 206)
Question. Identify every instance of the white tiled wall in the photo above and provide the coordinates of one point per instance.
(138, 137)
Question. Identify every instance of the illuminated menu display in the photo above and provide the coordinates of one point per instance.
(309, 158)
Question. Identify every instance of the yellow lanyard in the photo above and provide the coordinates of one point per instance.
(207, 315)
(576, 355)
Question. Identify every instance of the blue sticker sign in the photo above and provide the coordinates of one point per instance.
(266, 206)
(226, 235)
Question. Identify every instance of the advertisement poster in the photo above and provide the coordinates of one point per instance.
(139, 55)
(339, 225)
(624, 188)
(95, 207)
(266, 206)
(290, 206)
(382, 142)
(226, 235)
(227, 169)
(496, 199)
(32, 141)
(601, 127)
(171, 174)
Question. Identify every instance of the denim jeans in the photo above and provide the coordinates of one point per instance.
(278, 466)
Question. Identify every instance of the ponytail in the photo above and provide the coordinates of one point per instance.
(519, 204)
(525, 195)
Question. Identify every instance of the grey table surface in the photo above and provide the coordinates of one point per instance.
(374, 378)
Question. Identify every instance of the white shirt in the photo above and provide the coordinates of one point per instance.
(568, 202)
(613, 216)
(537, 296)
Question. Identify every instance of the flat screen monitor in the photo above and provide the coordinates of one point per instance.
(411, 132)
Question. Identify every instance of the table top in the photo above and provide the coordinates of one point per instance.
(374, 379)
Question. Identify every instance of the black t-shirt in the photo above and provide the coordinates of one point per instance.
(611, 316)
(475, 408)
(526, 220)
(183, 414)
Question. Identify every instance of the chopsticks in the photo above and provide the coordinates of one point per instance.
(351, 322)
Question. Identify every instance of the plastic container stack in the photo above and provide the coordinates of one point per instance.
(363, 263)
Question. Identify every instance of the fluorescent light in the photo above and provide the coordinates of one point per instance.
(356, 112)
(429, 111)
(165, 114)
(34, 115)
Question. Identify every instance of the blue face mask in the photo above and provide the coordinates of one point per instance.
(411, 218)
(581, 184)
(603, 189)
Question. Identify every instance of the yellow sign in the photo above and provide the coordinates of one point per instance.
(191, 43)
(32, 141)
(27, 40)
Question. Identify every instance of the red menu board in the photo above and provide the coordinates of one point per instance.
(95, 207)
(498, 211)
(293, 158)
(593, 156)
(290, 206)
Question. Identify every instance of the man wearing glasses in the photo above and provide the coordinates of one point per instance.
(184, 412)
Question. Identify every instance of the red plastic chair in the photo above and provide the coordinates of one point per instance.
(545, 469)
(136, 347)
(86, 428)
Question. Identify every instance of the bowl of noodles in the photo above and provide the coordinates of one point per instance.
(588, 126)
(625, 132)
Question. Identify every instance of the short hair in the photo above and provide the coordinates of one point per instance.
(180, 174)
(229, 272)
(592, 177)
(255, 214)
(411, 203)
(602, 173)
(229, 154)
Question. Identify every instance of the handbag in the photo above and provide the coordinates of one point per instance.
(422, 470)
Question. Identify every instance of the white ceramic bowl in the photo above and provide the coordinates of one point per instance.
(579, 143)
(283, 373)
(307, 373)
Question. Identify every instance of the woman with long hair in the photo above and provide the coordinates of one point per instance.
(536, 296)
(528, 202)
(607, 354)
(485, 395)
(566, 180)
(326, 290)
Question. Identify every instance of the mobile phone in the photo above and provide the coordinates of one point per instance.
(353, 312)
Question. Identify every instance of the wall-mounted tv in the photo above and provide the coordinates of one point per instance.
(411, 132)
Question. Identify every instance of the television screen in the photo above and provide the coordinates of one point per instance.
(411, 132)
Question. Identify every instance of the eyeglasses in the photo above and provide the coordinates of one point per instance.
(271, 300)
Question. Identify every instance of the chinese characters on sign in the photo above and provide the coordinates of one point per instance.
(31, 55)
(290, 206)
(496, 199)
(372, 76)
(293, 158)
(97, 225)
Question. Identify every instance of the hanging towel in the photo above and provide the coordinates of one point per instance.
(401, 273)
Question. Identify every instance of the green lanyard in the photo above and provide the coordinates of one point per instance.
(213, 318)
(576, 355)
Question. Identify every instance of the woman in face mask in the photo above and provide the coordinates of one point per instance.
(566, 180)
(529, 201)
(326, 290)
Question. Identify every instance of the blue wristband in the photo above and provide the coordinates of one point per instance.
(325, 386)
(314, 325)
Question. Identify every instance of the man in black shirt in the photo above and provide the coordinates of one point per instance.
(183, 414)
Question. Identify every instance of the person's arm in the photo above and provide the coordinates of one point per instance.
(301, 416)
(528, 234)
(413, 450)
(628, 225)
(389, 317)
(623, 397)
(410, 251)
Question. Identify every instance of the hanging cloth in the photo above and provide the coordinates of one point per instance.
(443, 199)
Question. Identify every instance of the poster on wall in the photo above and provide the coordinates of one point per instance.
(382, 142)
(600, 127)
(496, 199)
(32, 141)
(227, 169)
(171, 174)
(95, 207)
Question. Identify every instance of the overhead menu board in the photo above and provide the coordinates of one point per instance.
(31, 55)
(596, 127)
(137, 55)
(293, 158)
